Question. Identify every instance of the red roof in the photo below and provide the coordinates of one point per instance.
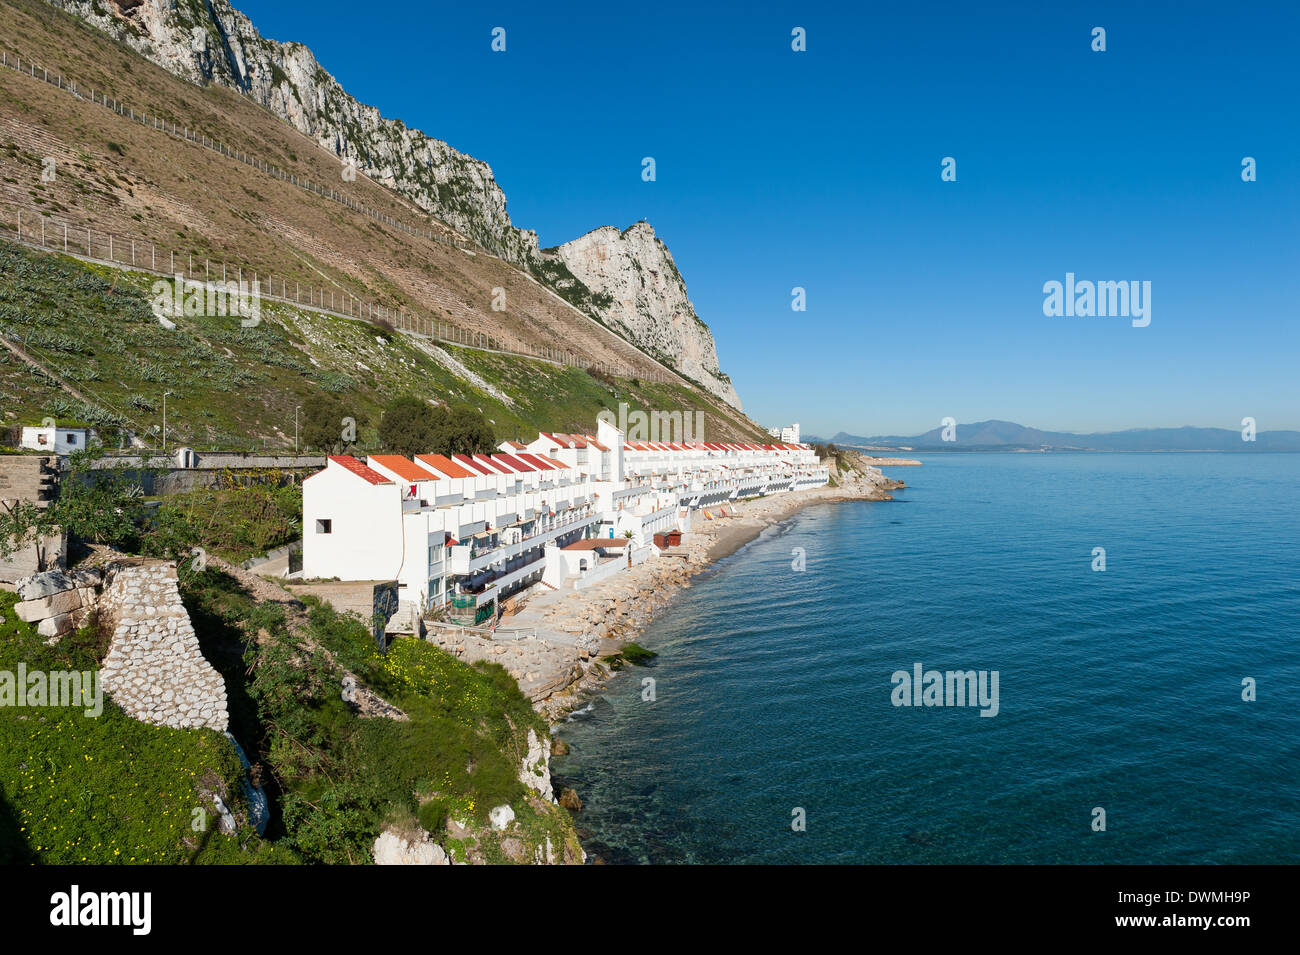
(566, 440)
(404, 468)
(541, 463)
(496, 467)
(514, 462)
(468, 462)
(443, 465)
(597, 543)
(596, 444)
(349, 463)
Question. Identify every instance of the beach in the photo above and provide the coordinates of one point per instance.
(578, 634)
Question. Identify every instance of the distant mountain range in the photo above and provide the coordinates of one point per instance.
(1009, 436)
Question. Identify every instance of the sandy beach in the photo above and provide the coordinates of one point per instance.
(578, 632)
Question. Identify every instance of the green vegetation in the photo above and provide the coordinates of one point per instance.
(636, 654)
(105, 506)
(95, 507)
(101, 790)
(93, 330)
(828, 452)
(232, 521)
(632, 653)
(411, 426)
(336, 778)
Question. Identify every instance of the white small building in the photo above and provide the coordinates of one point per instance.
(56, 440)
(788, 434)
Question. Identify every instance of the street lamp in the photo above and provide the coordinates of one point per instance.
(164, 434)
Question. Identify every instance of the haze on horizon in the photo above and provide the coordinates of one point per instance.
(821, 169)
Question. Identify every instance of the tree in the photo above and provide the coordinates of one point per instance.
(326, 427)
(408, 426)
(463, 430)
(411, 426)
(94, 505)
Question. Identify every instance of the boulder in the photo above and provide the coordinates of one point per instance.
(56, 581)
(40, 608)
(501, 816)
(393, 849)
(55, 626)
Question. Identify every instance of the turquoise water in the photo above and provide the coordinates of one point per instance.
(1119, 689)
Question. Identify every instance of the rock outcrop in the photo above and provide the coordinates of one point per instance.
(211, 42)
(535, 773)
(393, 848)
(641, 295)
(626, 280)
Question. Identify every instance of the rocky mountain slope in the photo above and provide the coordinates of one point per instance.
(646, 300)
(208, 42)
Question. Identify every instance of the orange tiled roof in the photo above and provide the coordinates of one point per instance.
(403, 467)
(444, 465)
(349, 463)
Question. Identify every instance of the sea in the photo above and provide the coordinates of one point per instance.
(1141, 613)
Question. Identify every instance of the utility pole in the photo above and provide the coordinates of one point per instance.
(164, 434)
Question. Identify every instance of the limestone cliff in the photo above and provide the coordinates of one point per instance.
(210, 42)
(644, 299)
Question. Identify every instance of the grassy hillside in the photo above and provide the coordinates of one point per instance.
(117, 176)
(106, 359)
(109, 789)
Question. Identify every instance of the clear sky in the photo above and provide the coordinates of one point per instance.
(821, 169)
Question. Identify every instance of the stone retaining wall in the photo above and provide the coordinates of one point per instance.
(154, 668)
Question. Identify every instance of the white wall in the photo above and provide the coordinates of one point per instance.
(366, 539)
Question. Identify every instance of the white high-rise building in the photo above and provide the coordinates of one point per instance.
(788, 435)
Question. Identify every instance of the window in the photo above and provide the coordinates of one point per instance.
(72, 439)
(324, 526)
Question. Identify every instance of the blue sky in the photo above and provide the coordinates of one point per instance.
(821, 169)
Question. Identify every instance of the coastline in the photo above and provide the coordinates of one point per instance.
(616, 611)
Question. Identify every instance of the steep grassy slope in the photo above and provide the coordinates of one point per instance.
(107, 790)
(117, 176)
(109, 361)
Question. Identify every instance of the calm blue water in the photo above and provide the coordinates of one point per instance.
(1119, 689)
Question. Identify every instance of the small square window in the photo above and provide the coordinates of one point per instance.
(324, 526)
(72, 439)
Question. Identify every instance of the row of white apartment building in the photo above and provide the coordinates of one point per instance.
(467, 531)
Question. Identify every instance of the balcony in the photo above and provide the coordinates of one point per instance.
(471, 558)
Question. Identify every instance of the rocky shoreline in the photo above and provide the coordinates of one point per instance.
(604, 618)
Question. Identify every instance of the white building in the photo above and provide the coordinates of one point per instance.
(55, 440)
(787, 435)
(466, 531)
